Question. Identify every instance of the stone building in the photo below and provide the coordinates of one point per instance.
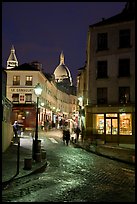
(106, 84)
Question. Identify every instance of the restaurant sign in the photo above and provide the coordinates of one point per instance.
(21, 90)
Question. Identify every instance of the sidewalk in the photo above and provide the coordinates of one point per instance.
(122, 152)
(11, 168)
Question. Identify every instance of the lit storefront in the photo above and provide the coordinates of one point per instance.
(111, 124)
(25, 115)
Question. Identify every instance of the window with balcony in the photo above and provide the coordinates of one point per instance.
(102, 69)
(28, 80)
(124, 94)
(16, 80)
(102, 41)
(15, 97)
(28, 97)
(124, 38)
(101, 95)
(124, 68)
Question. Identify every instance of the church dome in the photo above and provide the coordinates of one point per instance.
(62, 73)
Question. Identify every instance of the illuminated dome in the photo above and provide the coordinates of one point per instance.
(62, 73)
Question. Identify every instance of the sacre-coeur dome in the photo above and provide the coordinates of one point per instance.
(62, 72)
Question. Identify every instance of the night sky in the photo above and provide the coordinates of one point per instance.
(39, 31)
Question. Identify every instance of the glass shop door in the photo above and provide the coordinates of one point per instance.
(111, 126)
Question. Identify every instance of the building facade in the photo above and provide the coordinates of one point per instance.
(54, 104)
(108, 97)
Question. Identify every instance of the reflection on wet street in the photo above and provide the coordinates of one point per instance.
(75, 175)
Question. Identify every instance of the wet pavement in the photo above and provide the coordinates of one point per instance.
(14, 161)
(14, 157)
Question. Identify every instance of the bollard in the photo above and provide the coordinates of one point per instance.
(36, 148)
(38, 157)
(27, 163)
(43, 154)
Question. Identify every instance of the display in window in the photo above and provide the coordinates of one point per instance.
(100, 123)
(125, 124)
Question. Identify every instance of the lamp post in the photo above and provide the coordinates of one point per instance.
(38, 91)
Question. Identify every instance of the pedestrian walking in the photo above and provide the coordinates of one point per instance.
(77, 131)
(67, 134)
(64, 136)
(42, 125)
(16, 128)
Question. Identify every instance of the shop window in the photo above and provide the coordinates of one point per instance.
(99, 123)
(111, 115)
(125, 124)
(16, 80)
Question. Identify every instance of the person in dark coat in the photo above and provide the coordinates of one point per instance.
(67, 135)
(77, 131)
(15, 128)
(64, 136)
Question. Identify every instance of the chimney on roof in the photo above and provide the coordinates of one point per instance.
(129, 7)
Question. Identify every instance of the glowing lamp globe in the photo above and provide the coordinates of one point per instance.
(38, 90)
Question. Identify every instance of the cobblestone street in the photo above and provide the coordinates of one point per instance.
(75, 175)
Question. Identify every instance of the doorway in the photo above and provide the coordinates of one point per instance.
(111, 126)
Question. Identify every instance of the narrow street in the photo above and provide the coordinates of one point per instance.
(74, 175)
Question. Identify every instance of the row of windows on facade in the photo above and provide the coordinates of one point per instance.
(102, 71)
(124, 40)
(123, 69)
(124, 96)
(29, 79)
(28, 82)
(16, 80)
(28, 98)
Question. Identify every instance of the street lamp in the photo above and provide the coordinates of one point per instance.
(38, 91)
